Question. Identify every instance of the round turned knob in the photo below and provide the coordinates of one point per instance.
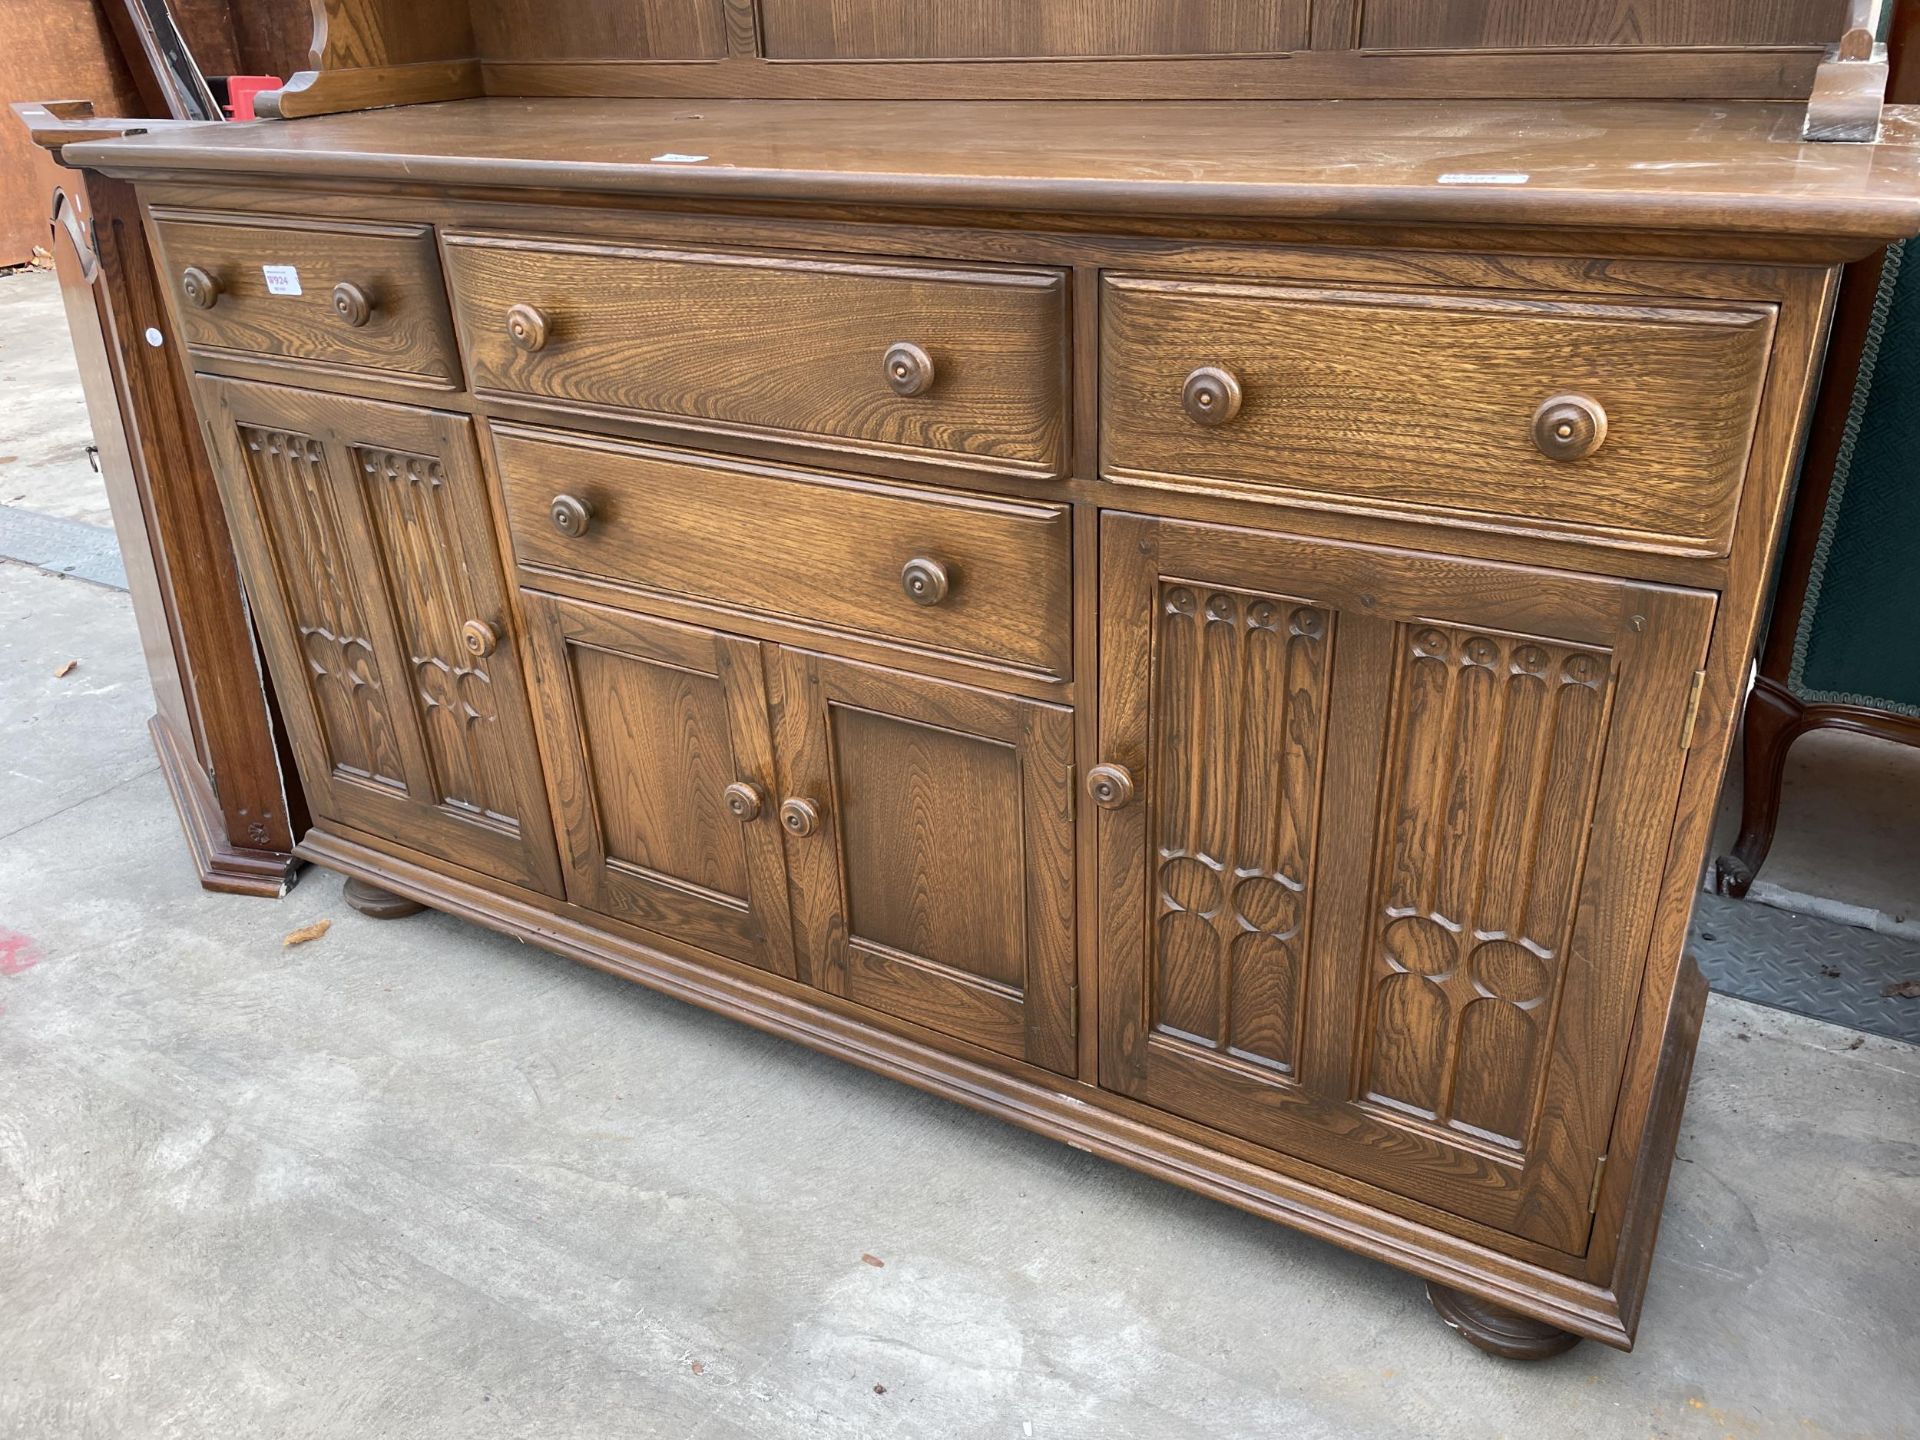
(1111, 786)
(909, 369)
(201, 289)
(351, 304)
(571, 516)
(1569, 427)
(744, 800)
(1212, 396)
(800, 817)
(479, 638)
(924, 580)
(528, 328)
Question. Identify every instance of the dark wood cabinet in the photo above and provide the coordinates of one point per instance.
(366, 540)
(1208, 630)
(660, 749)
(1380, 888)
(931, 832)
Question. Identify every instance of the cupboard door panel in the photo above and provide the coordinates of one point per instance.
(1384, 889)
(933, 863)
(367, 543)
(658, 742)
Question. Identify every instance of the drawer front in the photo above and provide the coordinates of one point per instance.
(357, 297)
(967, 365)
(993, 577)
(1625, 423)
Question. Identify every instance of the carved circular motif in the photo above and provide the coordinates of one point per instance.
(1308, 622)
(1263, 615)
(1482, 651)
(1267, 904)
(1420, 946)
(1432, 643)
(1510, 972)
(1190, 884)
(1181, 601)
(1583, 669)
(1221, 607)
(1530, 660)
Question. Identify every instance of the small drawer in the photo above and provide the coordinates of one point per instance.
(1624, 423)
(968, 574)
(960, 364)
(353, 297)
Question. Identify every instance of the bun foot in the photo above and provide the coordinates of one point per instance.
(1497, 1330)
(372, 901)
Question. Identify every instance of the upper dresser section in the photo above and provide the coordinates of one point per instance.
(961, 364)
(366, 50)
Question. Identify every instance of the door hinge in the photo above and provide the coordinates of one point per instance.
(1593, 1195)
(1692, 715)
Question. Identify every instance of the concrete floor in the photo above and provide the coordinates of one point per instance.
(416, 1180)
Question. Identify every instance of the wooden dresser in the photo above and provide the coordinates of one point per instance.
(1178, 573)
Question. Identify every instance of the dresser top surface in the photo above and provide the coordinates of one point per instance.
(1729, 167)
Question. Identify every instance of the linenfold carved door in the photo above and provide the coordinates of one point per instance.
(1381, 892)
(366, 542)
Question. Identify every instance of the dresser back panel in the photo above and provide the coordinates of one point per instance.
(1248, 49)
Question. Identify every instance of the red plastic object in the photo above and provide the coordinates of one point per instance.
(240, 92)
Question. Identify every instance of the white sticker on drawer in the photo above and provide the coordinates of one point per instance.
(1485, 177)
(281, 279)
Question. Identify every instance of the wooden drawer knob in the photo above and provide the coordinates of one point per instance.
(201, 289)
(745, 800)
(1569, 427)
(571, 516)
(351, 304)
(924, 580)
(800, 817)
(1212, 396)
(909, 369)
(1110, 786)
(528, 328)
(479, 638)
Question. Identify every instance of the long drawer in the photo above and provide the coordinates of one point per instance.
(967, 574)
(1625, 422)
(963, 364)
(358, 297)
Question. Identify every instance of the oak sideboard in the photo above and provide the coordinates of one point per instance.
(1177, 573)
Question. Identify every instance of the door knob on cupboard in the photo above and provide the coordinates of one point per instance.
(745, 800)
(1110, 786)
(800, 817)
(909, 368)
(480, 638)
(1212, 396)
(571, 516)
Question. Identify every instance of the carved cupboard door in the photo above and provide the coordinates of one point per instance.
(661, 753)
(366, 540)
(930, 838)
(1380, 862)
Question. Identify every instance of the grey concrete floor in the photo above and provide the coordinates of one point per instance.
(417, 1180)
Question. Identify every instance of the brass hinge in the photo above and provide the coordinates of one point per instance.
(1593, 1195)
(1692, 715)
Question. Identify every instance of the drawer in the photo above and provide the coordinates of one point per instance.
(967, 365)
(355, 297)
(994, 577)
(1625, 423)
